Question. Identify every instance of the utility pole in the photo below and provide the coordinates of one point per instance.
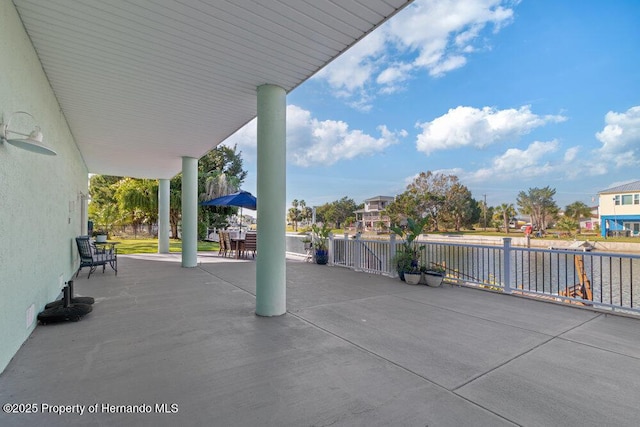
(484, 210)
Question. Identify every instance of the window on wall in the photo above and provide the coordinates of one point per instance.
(633, 226)
(636, 199)
(627, 199)
(616, 199)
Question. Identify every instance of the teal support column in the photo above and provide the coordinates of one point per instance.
(189, 212)
(163, 217)
(271, 277)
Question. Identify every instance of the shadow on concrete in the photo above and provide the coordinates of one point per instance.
(184, 346)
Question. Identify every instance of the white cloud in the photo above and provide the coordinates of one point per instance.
(467, 126)
(439, 32)
(312, 142)
(539, 159)
(446, 65)
(621, 138)
(571, 154)
(352, 71)
(434, 36)
(517, 163)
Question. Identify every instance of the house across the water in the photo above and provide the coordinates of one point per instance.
(371, 217)
(620, 210)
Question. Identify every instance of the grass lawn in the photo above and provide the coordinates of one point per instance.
(150, 246)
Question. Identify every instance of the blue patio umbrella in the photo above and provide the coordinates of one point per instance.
(241, 199)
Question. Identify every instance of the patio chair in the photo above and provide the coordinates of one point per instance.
(227, 243)
(251, 243)
(93, 258)
(223, 246)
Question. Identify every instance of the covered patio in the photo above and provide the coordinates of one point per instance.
(144, 89)
(352, 349)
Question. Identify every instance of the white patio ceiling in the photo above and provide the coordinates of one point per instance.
(144, 82)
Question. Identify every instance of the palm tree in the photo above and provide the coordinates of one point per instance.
(505, 212)
(219, 184)
(294, 213)
(577, 210)
(567, 224)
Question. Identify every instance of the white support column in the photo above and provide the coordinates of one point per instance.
(271, 278)
(163, 216)
(189, 212)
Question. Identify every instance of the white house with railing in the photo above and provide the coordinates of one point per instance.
(620, 210)
(371, 217)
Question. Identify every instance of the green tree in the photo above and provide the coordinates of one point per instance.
(306, 214)
(485, 214)
(138, 201)
(340, 210)
(225, 160)
(576, 211)
(218, 183)
(337, 212)
(294, 213)
(103, 208)
(404, 206)
(440, 197)
(220, 173)
(430, 193)
(539, 204)
(175, 204)
(460, 209)
(504, 213)
(567, 224)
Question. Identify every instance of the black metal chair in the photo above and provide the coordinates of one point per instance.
(92, 257)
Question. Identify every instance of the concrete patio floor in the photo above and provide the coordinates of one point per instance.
(353, 350)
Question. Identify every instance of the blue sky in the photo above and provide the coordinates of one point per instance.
(507, 95)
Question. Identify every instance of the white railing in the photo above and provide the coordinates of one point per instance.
(611, 280)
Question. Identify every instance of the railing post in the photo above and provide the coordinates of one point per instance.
(347, 250)
(330, 250)
(357, 252)
(392, 255)
(506, 274)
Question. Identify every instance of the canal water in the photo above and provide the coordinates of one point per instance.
(614, 278)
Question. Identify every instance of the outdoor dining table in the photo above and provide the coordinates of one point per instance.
(103, 245)
(238, 244)
(107, 247)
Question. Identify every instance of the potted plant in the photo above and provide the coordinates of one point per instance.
(321, 242)
(407, 259)
(100, 236)
(402, 262)
(307, 242)
(413, 275)
(434, 275)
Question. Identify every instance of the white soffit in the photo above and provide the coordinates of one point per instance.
(144, 82)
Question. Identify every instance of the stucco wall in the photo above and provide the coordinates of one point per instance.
(40, 196)
(608, 207)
